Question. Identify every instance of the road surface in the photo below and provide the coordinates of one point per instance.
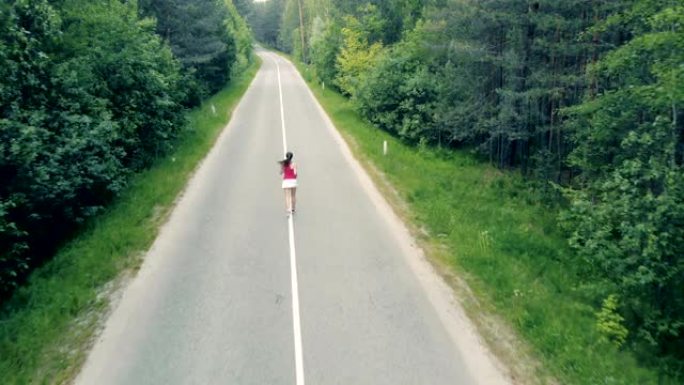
(217, 300)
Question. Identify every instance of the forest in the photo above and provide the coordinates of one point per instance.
(91, 92)
(583, 98)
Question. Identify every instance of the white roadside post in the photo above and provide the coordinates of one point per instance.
(213, 109)
(384, 147)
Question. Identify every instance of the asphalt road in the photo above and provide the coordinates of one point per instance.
(213, 302)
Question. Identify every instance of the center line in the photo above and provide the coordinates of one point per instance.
(282, 109)
(297, 329)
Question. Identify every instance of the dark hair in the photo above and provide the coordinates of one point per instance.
(287, 160)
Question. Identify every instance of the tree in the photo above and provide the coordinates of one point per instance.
(356, 55)
(326, 41)
(627, 217)
(398, 93)
(266, 22)
(582, 94)
(196, 32)
(89, 94)
(237, 27)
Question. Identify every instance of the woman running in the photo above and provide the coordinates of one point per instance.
(289, 171)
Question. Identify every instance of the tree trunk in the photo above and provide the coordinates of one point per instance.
(301, 30)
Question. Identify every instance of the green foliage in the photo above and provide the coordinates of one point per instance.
(289, 32)
(610, 323)
(140, 85)
(78, 113)
(238, 28)
(357, 56)
(198, 37)
(586, 95)
(326, 41)
(385, 21)
(49, 323)
(277, 23)
(628, 219)
(25, 68)
(488, 227)
(399, 92)
(266, 21)
(90, 96)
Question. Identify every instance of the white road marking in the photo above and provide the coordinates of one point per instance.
(282, 109)
(296, 324)
(299, 361)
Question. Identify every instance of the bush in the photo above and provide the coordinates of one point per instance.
(89, 95)
(399, 93)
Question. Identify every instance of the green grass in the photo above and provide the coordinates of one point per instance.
(488, 228)
(46, 326)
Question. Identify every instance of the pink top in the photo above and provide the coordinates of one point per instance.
(289, 172)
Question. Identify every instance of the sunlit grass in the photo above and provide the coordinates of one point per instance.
(46, 325)
(493, 231)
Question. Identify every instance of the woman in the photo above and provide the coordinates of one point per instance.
(289, 171)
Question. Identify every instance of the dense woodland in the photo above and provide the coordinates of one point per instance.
(92, 91)
(583, 97)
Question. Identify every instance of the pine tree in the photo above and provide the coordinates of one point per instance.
(627, 216)
(196, 32)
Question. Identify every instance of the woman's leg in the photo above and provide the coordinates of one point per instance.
(288, 199)
(293, 198)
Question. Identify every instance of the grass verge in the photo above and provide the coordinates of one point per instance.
(48, 324)
(485, 227)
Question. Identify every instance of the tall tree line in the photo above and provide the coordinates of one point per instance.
(583, 95)
(90, 93)
(196, 32)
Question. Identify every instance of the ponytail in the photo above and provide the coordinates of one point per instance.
(288, 159)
